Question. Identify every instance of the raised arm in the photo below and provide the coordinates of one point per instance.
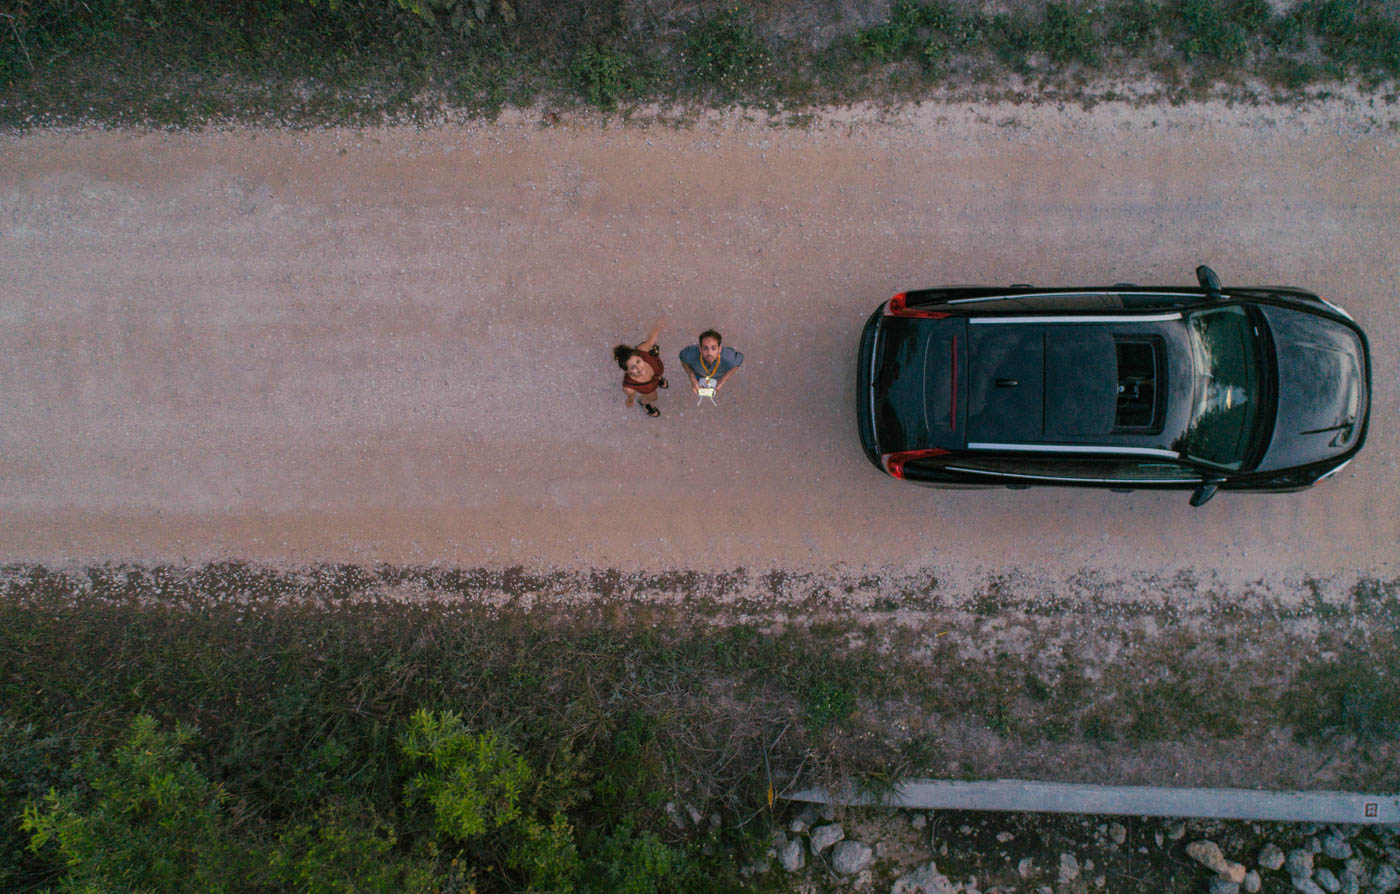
(651, 337)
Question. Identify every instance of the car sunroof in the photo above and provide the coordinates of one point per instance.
(1139, 367)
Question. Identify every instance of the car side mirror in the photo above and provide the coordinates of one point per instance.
(1205, 492)
(1209, 281)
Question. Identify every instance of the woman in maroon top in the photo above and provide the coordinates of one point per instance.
(642, 368)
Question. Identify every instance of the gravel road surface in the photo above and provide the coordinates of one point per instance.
(394, 345)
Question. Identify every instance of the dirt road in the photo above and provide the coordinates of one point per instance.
(394, 345)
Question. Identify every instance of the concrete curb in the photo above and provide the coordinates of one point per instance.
(1125, 800)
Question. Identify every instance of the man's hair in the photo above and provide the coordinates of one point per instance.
(710, 333)
(623, 353)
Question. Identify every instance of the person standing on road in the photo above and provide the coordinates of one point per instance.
(642, 369)
(710, 362)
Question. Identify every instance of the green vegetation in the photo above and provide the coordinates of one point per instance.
(237, 728)
(310, 62)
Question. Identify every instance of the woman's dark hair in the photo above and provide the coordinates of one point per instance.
(623, 353)
(710, 333)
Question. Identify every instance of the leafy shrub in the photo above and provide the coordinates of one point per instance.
(1013, 39)
(342, 851)
(1134, 24)
(1209, 32)
(726, 53)
(1069, 34)
(601, 75)
(143, 819)
(473, 782)
(477, 787)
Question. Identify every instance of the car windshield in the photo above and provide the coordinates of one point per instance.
(1226, 411)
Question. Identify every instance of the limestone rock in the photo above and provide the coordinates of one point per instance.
(1252, 883)
(1208, 854)
(1335, 846)
(793, 855)
(1069, 868)
(1327, 881)
(850, 857)
(924, 880)
(1385, 879)
(1270, 857)
(824, 837)
(1299, 863)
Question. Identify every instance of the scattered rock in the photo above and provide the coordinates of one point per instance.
(1177, 831)
(918, 821)
(694, 813)
(1252, 883)
(850, 857)
(826, 813)
(1385, 879)
(1270, 857)
(1305, 885)
(1219, 886)
(1026, 868)
(1069, 868)
(824, 837)
(1117, 833)
(1350, 885)
(924, 880)
(1208, 854)
(793, 856)
(1299, 863)
(1004, 837)
(1327, 881)
(674, 814)
(1335, 846)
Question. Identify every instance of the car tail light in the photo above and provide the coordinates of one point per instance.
(898, 307)
(894, 462)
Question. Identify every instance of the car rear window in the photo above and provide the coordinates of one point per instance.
(921, 368)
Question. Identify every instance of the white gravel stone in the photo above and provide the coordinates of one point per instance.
(1327, 881)
(850, 857)
(1026, 868)
(793, 855)
(1335, 846)
(1208, 854)
(1270, 857)
(924, 880)
(1385, 879)
(1305, 885)
(1252, 883)
(918, 821)
(824, 837)
(1299, 863)
(1117, 833)
(1069, 868)
(1219, 886)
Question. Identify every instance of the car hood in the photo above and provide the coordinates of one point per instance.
(1322, 376)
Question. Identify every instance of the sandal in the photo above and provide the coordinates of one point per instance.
(651, 411)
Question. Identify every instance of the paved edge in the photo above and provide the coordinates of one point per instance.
(1124, 800)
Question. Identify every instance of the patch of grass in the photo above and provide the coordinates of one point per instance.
(1353, 695)
(355, 62)
(727, 55)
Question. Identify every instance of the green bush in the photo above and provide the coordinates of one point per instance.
(601, 75)
(1069, 34)
(1209, 32)
(142, 819)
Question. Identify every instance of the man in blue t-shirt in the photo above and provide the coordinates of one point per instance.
(709, 364)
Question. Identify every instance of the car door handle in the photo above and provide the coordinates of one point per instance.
(1007, 383)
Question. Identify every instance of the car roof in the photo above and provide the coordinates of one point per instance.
(1055, 379)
